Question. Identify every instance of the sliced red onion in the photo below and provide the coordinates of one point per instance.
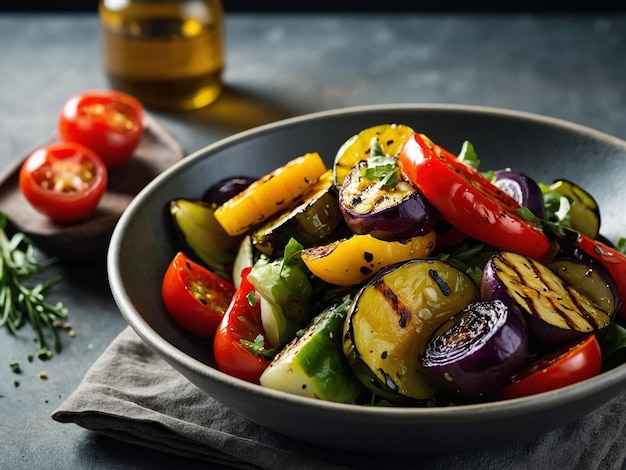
(476, 352)
(523, 189)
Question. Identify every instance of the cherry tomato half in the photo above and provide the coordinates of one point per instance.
(470, 201)
(64, 181)
(242, 321)
(567, 366)
(195, 297)
(109, 122)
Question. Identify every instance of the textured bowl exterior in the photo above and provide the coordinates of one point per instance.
(142, 245)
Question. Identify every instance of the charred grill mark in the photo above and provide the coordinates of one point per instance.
(544, 295)
(403, 313)
(368, 257)
(443, 285)
(365, 270)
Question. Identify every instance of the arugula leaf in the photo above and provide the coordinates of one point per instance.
(468, 155)
(381, 167)
(469, 258)
(613, 345)
(258, 347)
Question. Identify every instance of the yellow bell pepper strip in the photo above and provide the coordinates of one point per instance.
(274, 192)
(350, 261)
(391, 138)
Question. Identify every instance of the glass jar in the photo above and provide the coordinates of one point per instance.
(169, 54)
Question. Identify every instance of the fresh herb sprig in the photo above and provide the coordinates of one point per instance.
(20, 303)
(381, 167)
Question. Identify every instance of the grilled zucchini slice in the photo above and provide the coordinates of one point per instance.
(391, 320)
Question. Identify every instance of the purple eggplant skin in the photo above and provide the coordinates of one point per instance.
(477, 351)
(387, 213)
(223, 190)
(523, 189)
(556, 313)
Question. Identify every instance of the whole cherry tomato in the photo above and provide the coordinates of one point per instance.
(469, 201)
(195, 297)
(64, 181)
(567, 366)
(240, 332)
(109, 122)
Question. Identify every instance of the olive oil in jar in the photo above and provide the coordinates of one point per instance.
(169, 54)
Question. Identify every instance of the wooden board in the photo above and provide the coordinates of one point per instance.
(89, 238)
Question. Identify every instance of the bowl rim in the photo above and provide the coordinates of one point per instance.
(513, 407)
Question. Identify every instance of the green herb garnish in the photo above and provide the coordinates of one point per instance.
(381, 167)
(468, 155)
(258, 347)
(20, 303)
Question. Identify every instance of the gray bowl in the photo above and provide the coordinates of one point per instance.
(141, 248)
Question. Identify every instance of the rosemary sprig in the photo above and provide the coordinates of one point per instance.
(20, 303)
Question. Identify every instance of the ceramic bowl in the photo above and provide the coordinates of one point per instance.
(141, 248)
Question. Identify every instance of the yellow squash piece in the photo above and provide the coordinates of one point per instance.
(270, 194)
(350, 261)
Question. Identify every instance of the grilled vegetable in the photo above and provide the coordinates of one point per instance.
(566, 366)
(591, 279)
(391, 320)
(313, 364)
(523, 189)
(388, 210)
(390, 137)
(350, 261)
(584, 213)
(612, 259)
(226, 188)
(245, 258)
(557, 313)
(285, 290)
(312, 221)
(274, 192)
(470, 201)
(202, 235)
(475, 353)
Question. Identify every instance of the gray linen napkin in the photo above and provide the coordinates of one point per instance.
(131, 394)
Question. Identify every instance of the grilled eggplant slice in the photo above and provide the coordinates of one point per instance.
(388, 211)
(592, 280)
(523, 189)
(391, 138)
(557, 313)
(310, 222)
(391, 320)
(313, 364)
